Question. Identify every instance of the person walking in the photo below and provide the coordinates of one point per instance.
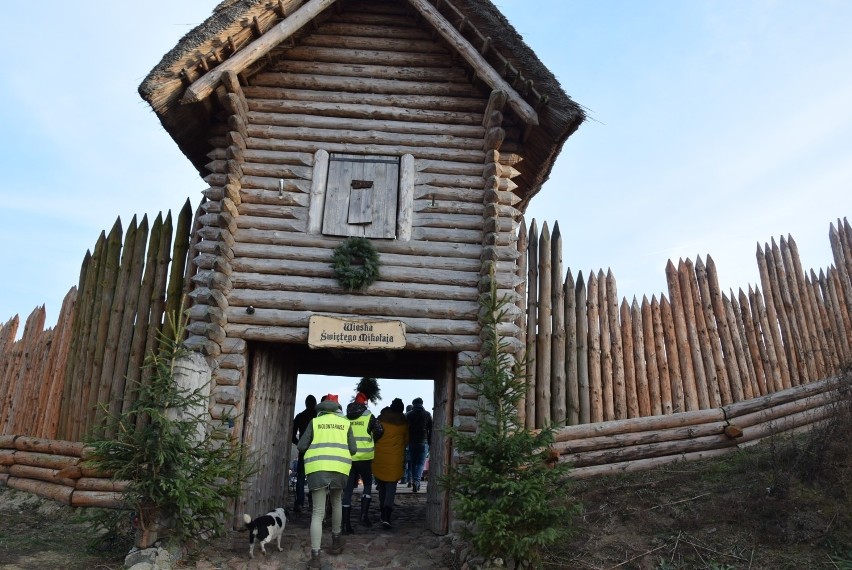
(328, 445)
(367, 429)
(390, 450)
(300, 424)
(406, 461)
(419, 436)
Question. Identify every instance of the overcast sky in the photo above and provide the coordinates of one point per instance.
(713, 126)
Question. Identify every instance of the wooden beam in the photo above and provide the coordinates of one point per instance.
(202, 87)
(475, 59)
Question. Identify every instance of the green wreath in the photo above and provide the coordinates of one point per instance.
(355, 263)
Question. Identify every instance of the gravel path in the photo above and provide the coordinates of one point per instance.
(408, 545)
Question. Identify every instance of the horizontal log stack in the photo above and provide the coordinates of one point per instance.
(56, 470)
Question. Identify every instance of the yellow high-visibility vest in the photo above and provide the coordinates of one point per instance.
(329, 449)
(363, 439)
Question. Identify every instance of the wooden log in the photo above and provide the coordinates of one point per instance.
(843, 266)
(725, 333)
(720, 385)
(60, 351)
(99, 387)
(772, 328)
(789, 423)
(543, 361)
(365, 111)
(645, 464)
(532, 326)
(607, 377)
(143, 309)
(839, 304)
(651, 370)
(596, 398)
(101, 484)
(628, 364)
(702, 359)
(756, 350)
(100, 499)
(521, 317)
(583, 320)
(634, 452)
(687, 371)
(39, 474)
(69, 391)
(784, 310)
(642, 389)
(673, 353)
(740, 349)
(799, 319)
(48, 446)
(632, 438)
(572, 387)
(80, 426)
(44, 460)
(54, 491)
(619, 389)
(558, 387)
(784, 396)
(762, 326)
(828, 338)
(777, 412)
(174, 290)
(354, 303)
(662, 358)
(806, 311)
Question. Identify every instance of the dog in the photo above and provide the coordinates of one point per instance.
(264, 529)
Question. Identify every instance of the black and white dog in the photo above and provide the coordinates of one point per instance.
(264, 529)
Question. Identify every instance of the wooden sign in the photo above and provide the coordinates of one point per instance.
(362, 334)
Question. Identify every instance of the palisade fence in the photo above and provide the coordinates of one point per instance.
(59, 383)
(630, 384)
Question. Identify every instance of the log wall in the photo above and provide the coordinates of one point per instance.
(369, 80)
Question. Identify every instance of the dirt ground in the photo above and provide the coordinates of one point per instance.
(773, 506)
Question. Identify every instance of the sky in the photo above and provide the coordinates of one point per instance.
(713, 126)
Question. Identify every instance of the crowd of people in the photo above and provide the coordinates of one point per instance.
(338, 450)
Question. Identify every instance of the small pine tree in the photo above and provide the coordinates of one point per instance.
(181, 476)
(503, 486)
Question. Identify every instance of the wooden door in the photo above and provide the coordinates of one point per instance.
(361, 196)
(271, 392)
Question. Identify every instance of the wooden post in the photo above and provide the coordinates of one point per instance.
(558, 388)
(772, 322)
(69, 391)
(521, 246)
(746, 375)
(607, 388)
(800, 318)
(829, 337)
(756, 350)
(701, 361)
(784, 308)
(543, 338)
(763, 326)
(583, 320)
(628, 364)
(532, 324)
(687, 373)
(644, 394)
(619, 389)
(721, 389)
(596, 403)
(673, 355)
(572, 392)
(652, 371)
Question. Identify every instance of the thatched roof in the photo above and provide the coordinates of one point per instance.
(236, 23)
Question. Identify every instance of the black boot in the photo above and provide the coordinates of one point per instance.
(347, 521)
(315, 561)
(336, 544)
(386, 517)
(365, 511)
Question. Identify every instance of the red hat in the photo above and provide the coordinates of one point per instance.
(360, 398)
(332, 397)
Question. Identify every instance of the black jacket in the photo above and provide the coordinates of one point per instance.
(419, 425)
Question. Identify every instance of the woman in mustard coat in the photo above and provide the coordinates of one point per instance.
(389, 455)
